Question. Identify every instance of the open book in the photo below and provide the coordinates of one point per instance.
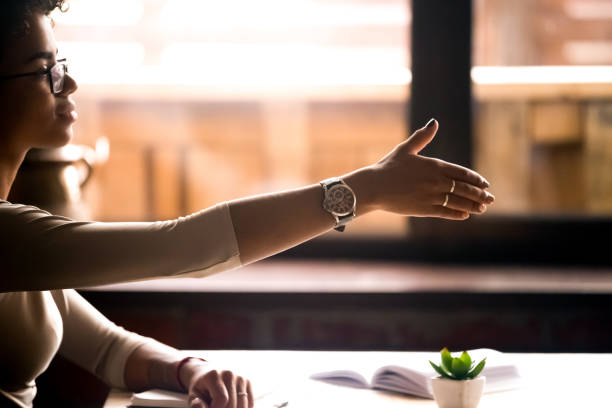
(413, 374)
(169, 399)
(159, 398)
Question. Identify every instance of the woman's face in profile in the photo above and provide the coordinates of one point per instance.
(30, 114)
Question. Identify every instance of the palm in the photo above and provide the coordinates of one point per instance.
(411, 184)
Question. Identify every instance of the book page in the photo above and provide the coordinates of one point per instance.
(410, 372)
(344, 369)
(159, 398)
(169, 399)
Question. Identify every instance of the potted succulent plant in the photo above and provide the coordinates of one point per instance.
(458, 385)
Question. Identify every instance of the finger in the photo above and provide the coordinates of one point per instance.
(461, 204)
(196, 402)
(422, 137)
(449, 213)
(460, 173)
(473, 193)
(251, 395)
(229, 379)
(241, 393)
(212, 390)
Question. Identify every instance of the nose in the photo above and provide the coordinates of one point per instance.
(70, 85)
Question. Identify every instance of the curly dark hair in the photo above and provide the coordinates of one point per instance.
(14, 16)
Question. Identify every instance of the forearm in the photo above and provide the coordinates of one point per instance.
(155, 365)
(271, 223)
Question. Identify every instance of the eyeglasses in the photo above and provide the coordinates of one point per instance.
(56, 74)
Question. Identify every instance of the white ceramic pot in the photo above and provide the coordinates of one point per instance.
(457, 394)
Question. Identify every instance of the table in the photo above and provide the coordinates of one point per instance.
(559, 380)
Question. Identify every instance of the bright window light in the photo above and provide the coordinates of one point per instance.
(205, 42)
(275, 14)
(286, 64)
(102, 62)
(101, 13)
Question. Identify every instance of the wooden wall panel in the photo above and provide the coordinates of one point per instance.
(556, 122)
(502, 153)
(598, 155)
(167, 179)
(543, 156)
(122, 183)
(346, 136)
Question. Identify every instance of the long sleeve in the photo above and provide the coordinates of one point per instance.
(92, 341)
(41, 251)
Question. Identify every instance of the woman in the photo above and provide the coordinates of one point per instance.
(44, 256)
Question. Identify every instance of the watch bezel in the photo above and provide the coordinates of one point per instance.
(329, 191)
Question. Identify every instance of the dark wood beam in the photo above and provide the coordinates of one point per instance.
(441, 85)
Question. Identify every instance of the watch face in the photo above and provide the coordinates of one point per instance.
(339, 200)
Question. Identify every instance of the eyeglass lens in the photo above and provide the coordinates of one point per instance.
(58, 75)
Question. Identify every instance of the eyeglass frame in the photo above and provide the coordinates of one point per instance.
(61, 63)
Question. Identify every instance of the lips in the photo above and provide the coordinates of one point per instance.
(67, 111)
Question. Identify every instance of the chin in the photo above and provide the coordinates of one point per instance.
(68, 136)
(57, 139)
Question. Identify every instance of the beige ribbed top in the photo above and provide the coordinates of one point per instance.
(43, 256)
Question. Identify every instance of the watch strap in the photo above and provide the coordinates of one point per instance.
(342, 220)
(330, 182)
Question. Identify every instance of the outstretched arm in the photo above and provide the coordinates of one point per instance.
(40, 251)
(402, 182)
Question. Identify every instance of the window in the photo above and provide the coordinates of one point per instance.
(532, 130)
(543, 123)
(209, 101)
(205, 101)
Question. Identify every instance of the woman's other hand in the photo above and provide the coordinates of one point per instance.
(210, 388)
(403, 182)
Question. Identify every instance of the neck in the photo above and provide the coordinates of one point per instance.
(9, 164)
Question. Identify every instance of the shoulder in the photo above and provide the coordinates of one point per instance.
(14, 216)
(20, 215)
(22, 226)
(8, 208)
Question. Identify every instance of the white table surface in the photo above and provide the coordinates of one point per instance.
(548, 380)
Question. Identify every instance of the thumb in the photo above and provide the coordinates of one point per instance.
(422, 137)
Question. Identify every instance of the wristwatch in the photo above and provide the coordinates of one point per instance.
(339, 201)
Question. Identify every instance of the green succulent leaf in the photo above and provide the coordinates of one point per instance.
(465, 357)
(439, 370)
(447, 360)
(459, 368)
(474, 373)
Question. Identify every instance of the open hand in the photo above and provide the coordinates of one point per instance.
(409, 184)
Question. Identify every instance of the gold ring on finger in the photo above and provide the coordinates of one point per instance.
(445, 200)
(452, 187)
(242, 394)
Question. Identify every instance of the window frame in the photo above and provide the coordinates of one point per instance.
(441, 83)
